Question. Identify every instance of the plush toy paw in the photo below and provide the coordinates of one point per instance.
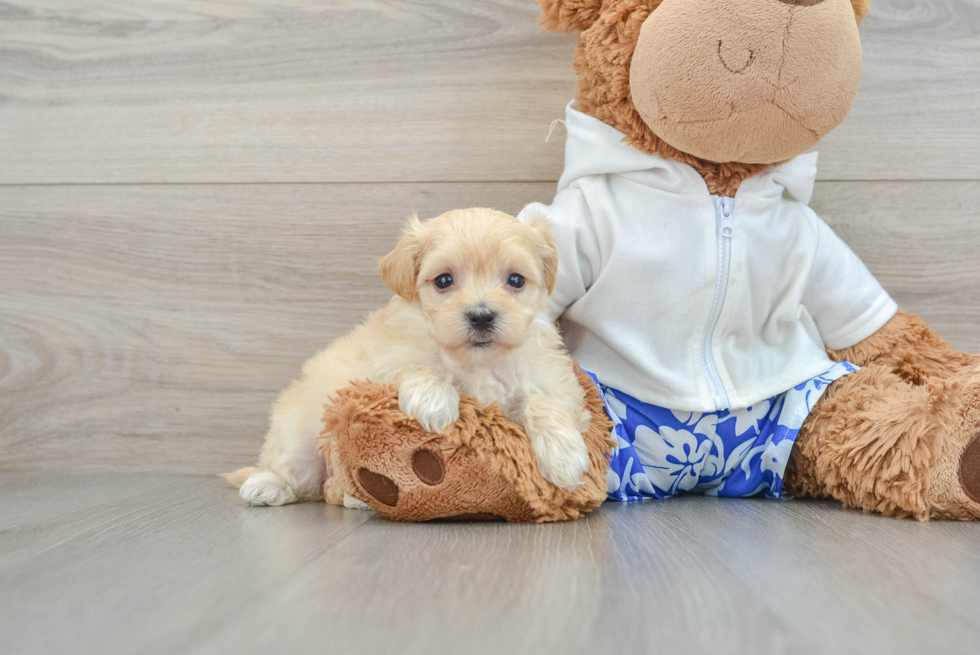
(481, 466)
(391, 464)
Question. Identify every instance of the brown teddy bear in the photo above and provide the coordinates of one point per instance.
(741, 348)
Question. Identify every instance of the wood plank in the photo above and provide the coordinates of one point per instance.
(865, 564)
(289, 90)
(149, 328)
(615, 582)
(151, 561)
(160, 564)
(920, 240)
(389, 90)
(921, 64)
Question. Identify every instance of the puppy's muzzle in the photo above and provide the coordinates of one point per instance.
(482, 320)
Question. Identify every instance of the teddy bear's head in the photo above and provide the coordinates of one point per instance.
(728, 87)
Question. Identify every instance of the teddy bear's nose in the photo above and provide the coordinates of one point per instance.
(801, 3)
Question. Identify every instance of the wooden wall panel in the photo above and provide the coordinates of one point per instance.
(389, 90)
(149, 328)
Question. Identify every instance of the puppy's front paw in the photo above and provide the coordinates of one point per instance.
(552, 428)
(561, 454)
(431, 402)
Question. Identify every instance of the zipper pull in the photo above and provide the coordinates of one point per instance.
(727, 221)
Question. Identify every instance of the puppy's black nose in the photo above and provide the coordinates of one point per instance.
(481, 319)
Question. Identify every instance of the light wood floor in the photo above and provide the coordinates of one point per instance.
(193, 194)
(118, 563)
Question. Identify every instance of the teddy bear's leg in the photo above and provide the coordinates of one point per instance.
(899, 435)
(384, 461)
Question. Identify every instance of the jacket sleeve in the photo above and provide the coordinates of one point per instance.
(845, 300)
(578, 250)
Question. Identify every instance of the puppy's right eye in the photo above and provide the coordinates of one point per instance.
(444, 281)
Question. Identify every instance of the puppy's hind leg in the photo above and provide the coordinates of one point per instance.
(266, 488)
(258, 487)
(290, 468)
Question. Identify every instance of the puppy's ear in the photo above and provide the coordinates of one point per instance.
(547, 247)
(861, 8)
(568, 15)
(399, 269)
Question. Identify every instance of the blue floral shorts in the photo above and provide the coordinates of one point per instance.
(743, 452)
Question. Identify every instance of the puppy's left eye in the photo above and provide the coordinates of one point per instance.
(516, 281)
(444, 281)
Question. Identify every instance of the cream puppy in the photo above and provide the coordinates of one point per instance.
(468, 318)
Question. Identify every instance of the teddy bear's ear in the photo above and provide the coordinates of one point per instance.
(571, 15)
(861, 8)
(399, 269)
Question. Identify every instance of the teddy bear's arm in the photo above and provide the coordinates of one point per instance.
(907, 343)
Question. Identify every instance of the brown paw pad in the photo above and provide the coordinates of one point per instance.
(428, 467)
(383, 489)
(970, 468)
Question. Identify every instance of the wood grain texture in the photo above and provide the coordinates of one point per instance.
(162, 564)
(392, 90)
(149, 328)
(920, 239)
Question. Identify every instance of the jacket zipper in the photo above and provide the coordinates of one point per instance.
(725, 221)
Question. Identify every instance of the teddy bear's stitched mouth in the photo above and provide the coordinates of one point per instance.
(732, 112)
(740, 70)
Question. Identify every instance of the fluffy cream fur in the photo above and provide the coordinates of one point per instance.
(423, 343)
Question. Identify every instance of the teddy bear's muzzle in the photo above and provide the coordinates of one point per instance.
(754, 82)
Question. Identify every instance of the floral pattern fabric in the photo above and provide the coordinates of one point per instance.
(741, 452)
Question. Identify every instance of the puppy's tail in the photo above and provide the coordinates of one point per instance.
(237, 478)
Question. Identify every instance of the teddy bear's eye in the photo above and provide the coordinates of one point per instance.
(444, 281)
(516, 281)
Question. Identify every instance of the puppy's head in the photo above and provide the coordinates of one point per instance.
(480, 277)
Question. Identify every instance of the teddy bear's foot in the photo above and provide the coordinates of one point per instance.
(884, 443)
(482, 467)
(954, 486)
(435, 482)
(969, 469)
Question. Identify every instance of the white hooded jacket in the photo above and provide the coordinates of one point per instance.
(694, 302)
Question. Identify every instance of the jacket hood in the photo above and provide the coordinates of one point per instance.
(595, 148)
